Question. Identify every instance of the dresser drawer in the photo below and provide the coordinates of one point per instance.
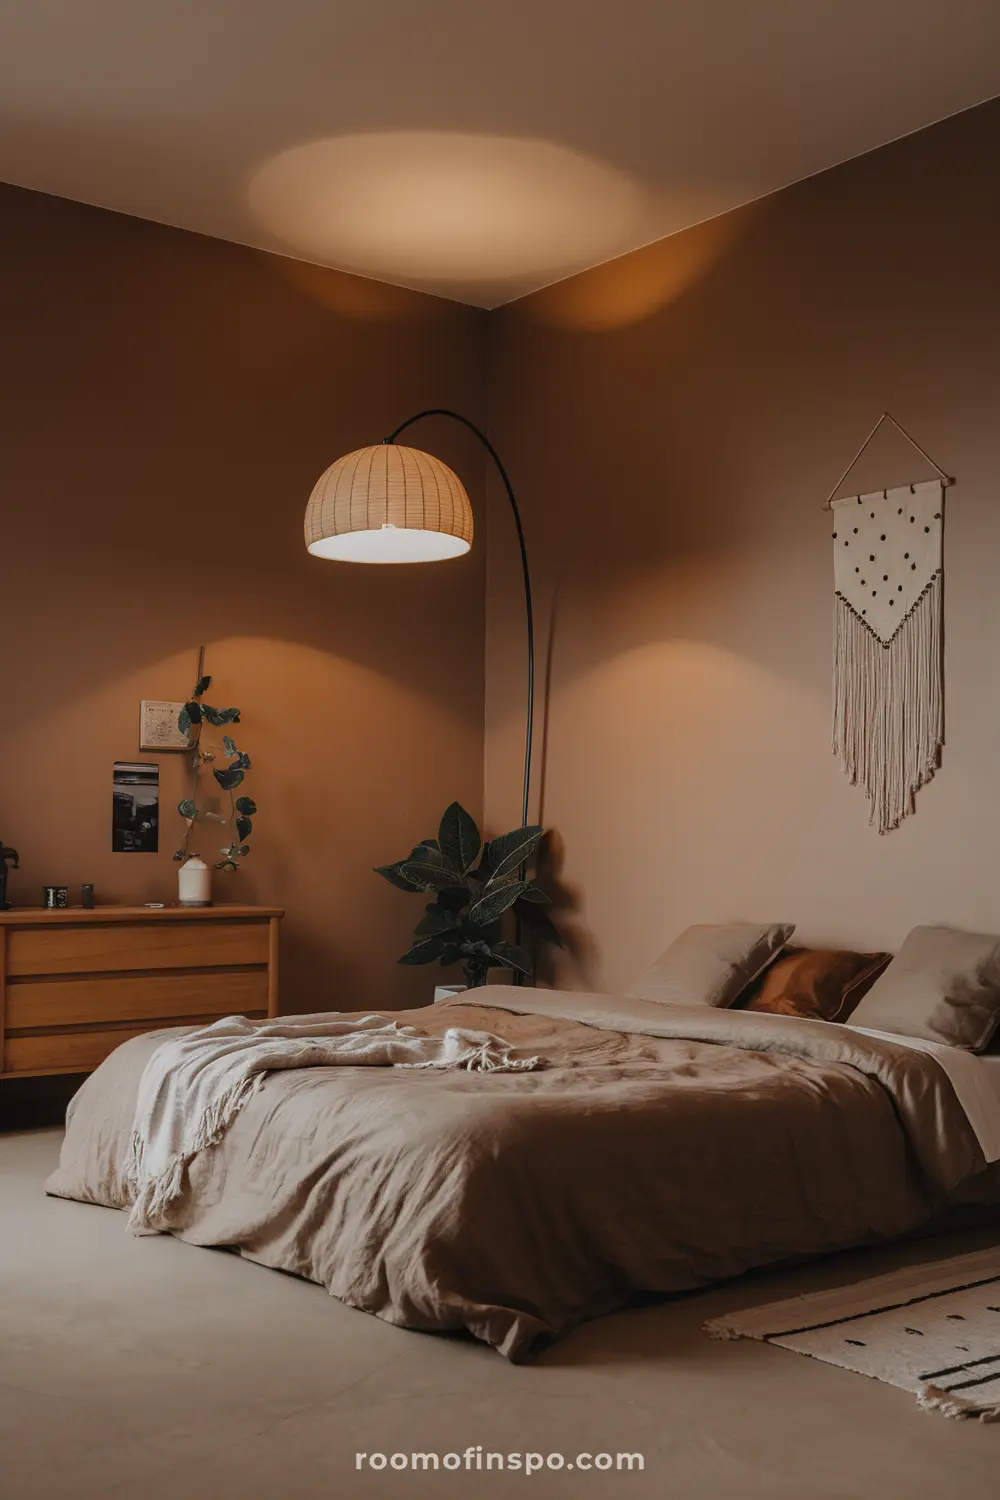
(134, 997)
(70, 1052)
(153, 945)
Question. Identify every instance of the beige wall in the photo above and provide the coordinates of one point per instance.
(168, 401)
(672, 422)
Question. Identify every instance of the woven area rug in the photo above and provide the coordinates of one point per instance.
(931, 1329)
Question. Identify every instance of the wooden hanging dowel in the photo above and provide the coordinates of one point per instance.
(887, 416)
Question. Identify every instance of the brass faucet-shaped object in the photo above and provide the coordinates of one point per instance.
(8, 858)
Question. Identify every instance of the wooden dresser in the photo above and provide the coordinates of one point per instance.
(75, 983)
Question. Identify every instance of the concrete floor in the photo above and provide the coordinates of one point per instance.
(145, 1368)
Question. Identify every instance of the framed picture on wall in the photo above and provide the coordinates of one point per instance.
(158, 726)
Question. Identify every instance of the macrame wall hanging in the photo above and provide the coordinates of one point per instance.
(888, 668)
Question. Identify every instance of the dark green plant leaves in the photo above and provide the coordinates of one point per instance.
(511, 956)
(436, 920)
(495, 900)
(424, 952)
(394, 875)
(225, 864)
(228, 779)
(229, 746)
(510, 851)
(428, 877)
(246, 805)
(459, 838)
(187, 808)
(193, 711)
(184, 721)
(244, 828)
(201, 686)
(535, 894)
(179, 854)
(538, 920)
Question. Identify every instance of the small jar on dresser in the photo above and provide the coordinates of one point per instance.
(75, 983)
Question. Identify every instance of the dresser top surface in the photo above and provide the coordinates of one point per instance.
(30, 916)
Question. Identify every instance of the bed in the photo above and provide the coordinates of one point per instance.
(661, 1148)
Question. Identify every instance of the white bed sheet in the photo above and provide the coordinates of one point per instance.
(975, 1079)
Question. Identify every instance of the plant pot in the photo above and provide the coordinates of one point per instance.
(194, 883)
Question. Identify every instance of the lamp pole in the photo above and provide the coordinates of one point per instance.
(442, 411)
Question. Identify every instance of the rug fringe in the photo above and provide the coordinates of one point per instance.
(947, 1404)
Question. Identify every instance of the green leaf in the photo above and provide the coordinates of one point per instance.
(246, 805)
(494, 901)
(437, 919)
(211, 714)
(243, 851)
(510, 851)
(539, 921)
(201, 686)
(535, 894)
(244, 828)
(228, 779)
(424, 952)
(394, 875)
(510, 956)
(228, 716)
(428, 853)
(225, 864)
(179, 854)
(428, 877)
(184, 721)
(187, 808)
(459, 836)
(229, 746)
(193, 712)
(455, 897)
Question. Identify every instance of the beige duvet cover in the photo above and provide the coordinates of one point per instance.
(662, 1148)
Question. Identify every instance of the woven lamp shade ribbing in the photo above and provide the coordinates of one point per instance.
(386, 504)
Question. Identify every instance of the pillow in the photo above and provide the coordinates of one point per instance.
(711, 965)
(821, 984)
(943, 985)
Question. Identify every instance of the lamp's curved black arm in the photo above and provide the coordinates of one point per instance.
(442, 411)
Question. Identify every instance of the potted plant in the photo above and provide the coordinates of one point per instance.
(205, 750)
(474, 885)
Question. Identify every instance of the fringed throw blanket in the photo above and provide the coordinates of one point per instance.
(195, 1085)
(888, 723)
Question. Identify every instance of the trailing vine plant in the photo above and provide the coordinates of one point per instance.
(205, 750)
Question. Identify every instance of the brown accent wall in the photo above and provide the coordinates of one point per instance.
(673, 421)
(168, 401)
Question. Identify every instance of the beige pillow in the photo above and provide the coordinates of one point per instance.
(712, 965)
(943, 985)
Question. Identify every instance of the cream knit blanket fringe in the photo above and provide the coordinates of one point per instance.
(947, 1404)
(888, 721)
(195, 1085)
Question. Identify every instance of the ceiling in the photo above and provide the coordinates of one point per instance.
(476, 151)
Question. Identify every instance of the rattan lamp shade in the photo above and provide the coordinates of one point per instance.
(388, 504)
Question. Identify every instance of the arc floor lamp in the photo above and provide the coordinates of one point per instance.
(393, 504)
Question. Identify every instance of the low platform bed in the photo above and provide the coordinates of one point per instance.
(660, 1148)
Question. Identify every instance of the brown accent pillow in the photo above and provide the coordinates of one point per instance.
(819, 984)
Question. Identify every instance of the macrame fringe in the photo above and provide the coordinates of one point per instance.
(888, 720)
(947, 1404)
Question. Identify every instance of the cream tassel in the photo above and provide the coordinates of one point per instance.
(888, 718)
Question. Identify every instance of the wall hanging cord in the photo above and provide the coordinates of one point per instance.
(887, 416)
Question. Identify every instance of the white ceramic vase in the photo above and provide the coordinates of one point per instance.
(194, 883)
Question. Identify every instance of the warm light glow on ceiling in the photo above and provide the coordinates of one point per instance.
(436, 206)
(390, 544)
